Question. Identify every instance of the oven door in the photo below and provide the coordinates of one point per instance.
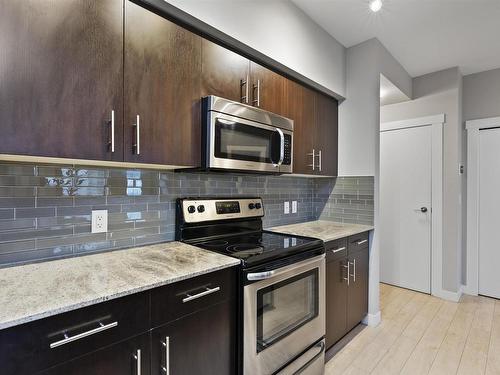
(235, 143)
(283, 315)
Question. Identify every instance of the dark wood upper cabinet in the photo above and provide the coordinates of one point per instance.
(61, 78)
(267, 89)
(162, 90)
(224, 73)
(326, 135)
(300, 107)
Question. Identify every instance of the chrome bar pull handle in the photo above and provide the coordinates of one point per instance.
(244, 82)
(348, 271)
(137, 126)
(111, 143)
(67, 339)
(137, 357)
(362, 242)
(313, 154)
(354, 270)
(166, 347)
(202, 294)
(319, 161)
(339, 249)
(256, 102)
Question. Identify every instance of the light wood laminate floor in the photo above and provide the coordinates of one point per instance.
(421, 334)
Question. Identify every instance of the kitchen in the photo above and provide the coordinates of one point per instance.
(178, 199)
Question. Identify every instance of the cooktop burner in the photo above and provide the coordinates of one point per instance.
(258, 246)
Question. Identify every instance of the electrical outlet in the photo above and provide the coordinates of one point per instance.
(99, 221)
(287, 207)
(294, 207)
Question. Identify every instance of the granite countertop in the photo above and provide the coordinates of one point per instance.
(323, 229)
(35, 291)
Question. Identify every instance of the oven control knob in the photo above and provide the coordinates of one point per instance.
(258, 206)
(251, 206)
(191, 209)
(201, 208)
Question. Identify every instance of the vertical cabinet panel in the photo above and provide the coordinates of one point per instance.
(61, 74)
(200, 343)
(357, 299)
(162, 80)
(223, 72)
(120, 359)
(267, 89)
(299, 106)
(326, 135)
(336, 301)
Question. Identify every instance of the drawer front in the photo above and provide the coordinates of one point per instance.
(358, 242)
(336, 249)
(35, 346)
(176, 300)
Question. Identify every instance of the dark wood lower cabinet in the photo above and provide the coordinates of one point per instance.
(130, 357)
(346, 285)
(357, 296)
(200, 343)
(336, 300)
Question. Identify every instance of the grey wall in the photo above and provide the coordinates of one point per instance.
(436, 93)
(279, 30)
(481, 95)
(45, 211)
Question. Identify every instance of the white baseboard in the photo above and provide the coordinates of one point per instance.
(372, 320)
(450, 296)
(467, 290)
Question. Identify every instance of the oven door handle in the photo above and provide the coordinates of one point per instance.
(256, 276)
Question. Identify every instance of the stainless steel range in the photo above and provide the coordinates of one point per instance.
(282, 320)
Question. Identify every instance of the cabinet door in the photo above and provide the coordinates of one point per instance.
(200, 343)
(336, 300)
(224, 73)
(128, 357)
(162, 80)
(267, 89)
(326, 135)
(61, 77)
(357, 299)
(299, 107)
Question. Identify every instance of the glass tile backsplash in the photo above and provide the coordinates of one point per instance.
(45, 210)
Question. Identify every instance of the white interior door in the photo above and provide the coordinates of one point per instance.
(489, 212)
(405, 207)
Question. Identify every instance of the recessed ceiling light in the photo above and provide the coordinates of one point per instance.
(375, 5)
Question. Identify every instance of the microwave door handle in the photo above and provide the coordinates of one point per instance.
(282, 146)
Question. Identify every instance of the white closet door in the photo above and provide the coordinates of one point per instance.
(489, 212)
(405, 207)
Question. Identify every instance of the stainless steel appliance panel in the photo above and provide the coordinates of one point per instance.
(283, 314)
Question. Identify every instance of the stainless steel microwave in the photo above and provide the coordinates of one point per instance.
(240, 137)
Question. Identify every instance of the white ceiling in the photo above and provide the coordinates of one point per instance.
(423, 35)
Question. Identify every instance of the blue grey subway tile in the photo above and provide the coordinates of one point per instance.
(57, 221)
(55, 171)
(11, 247)
(17, 224)
(35, 255)
(17, 169)
(6, 213)
(72, 211)
(19, 235)
(70, 240)
(90, 201)
(54, 202)
(17, 191)
(35, 212)
(17, 202)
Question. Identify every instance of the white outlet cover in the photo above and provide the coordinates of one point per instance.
(294, 207)
(287, 207)
(99, 221)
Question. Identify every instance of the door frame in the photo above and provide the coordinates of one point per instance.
(473, 127)
(437, 123)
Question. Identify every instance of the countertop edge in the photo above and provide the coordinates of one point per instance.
(76, 306)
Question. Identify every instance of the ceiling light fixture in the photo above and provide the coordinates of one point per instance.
(375, 5)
